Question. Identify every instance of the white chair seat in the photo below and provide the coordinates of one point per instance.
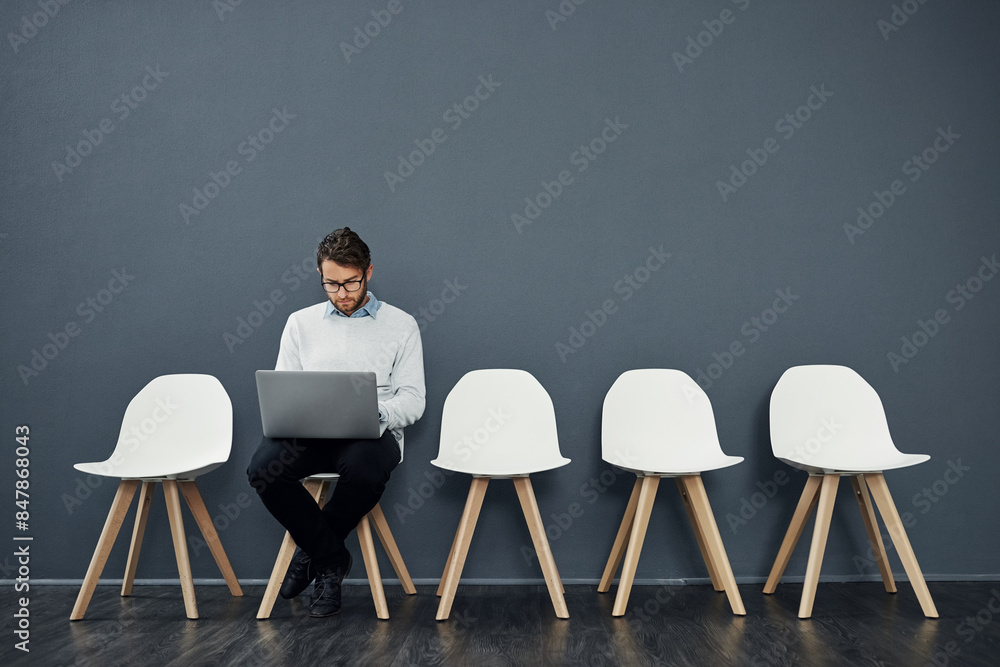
(677, 466)
(175, 429)
(499, 423)
(149, 470)
(828, 421)
(504, 467)
(829, 462)
(657, 422)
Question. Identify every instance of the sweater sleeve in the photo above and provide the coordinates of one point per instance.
(288, 351)
(408, 393)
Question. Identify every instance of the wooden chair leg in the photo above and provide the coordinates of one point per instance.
(141, 514)
(281, 564)
(621, 539)
(807, 501)
(880, 491)
(529, 506)
(824, 512)
(173, 499)
(451, 557)
(644, 506)
(456, 560)
(194, 501)
(371, 567)
(381, 528)
(699, 534)
(874, 536)
(116, 515)
(705, 518)
(317, 488)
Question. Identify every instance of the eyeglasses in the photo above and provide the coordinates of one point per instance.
(350, 286)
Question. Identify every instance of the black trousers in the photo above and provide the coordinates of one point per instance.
(278, 466)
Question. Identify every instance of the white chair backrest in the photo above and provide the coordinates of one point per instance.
(660, 420)
(828, 417)
(176, 423)
(498, 422)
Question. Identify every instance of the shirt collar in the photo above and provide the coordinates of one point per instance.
(367, 310)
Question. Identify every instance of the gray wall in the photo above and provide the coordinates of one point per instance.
(885, 95)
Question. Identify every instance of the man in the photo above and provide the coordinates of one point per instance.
(351, 331)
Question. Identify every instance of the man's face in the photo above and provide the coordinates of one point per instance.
(344, 301)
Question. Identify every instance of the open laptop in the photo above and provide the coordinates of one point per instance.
(318, 404)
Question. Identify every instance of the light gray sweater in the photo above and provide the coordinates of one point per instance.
(388, 344)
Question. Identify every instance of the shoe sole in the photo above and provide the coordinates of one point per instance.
(315, 615)
(292, 597)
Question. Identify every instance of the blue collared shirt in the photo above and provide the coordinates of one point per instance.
(367, 310)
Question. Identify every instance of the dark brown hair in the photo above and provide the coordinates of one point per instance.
(346, 248)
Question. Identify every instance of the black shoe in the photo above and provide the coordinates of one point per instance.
(326, 592)
(300, 574)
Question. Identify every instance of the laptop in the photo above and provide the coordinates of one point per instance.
(318, 404)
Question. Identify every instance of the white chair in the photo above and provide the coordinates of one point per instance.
(658, 423)
(177, 428)
(318, 486)
(497, 424)
(828, 421)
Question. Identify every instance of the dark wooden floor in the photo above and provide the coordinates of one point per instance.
(853, 624)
